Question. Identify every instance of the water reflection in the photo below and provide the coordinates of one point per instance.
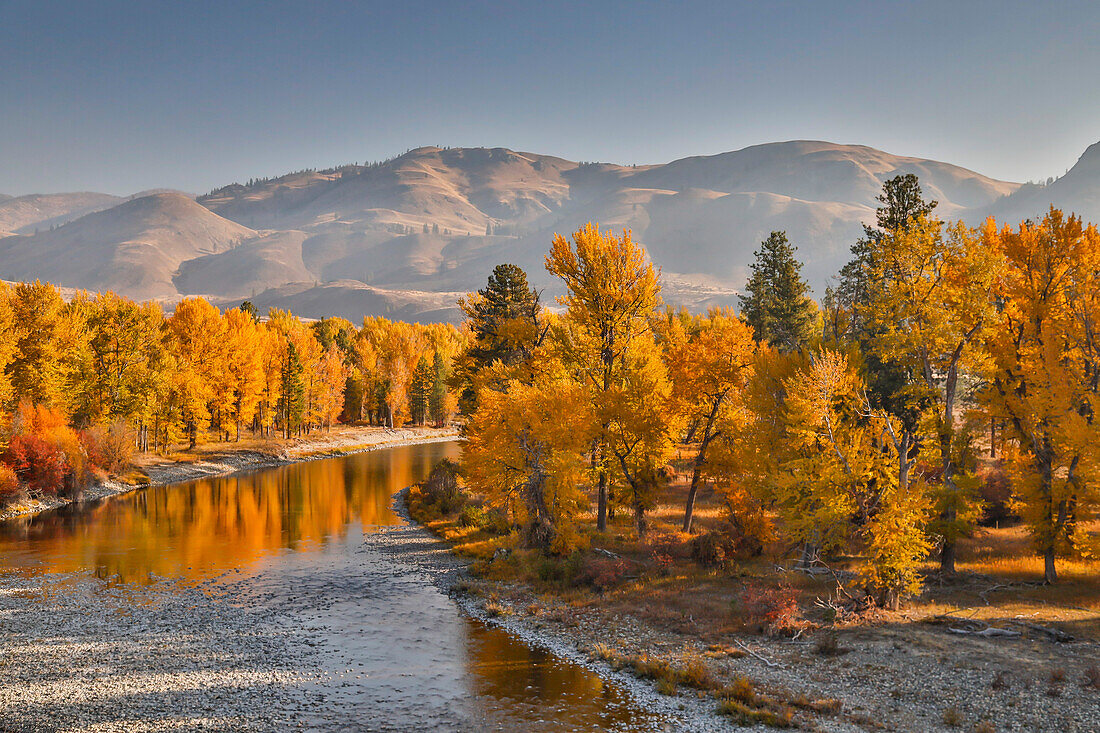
(397, 653)
(202, 528)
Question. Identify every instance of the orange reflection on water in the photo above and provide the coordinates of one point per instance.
(202, 528)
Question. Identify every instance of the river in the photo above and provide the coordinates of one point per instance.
(369, 642)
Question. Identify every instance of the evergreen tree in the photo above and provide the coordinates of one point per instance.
(503, 322)
(292, 402)
(420, 391)
(902, 204)
(250, 308)
(777, 306)
(437, 402)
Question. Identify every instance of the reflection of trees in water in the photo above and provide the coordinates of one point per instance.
(506, 671)
(206, 526)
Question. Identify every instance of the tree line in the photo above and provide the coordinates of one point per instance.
(858, 427)
(85, 381)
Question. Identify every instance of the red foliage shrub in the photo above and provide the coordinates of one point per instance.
(9, 482)
(601, 573)
(44, 452)
(108, 446)
(773, 611)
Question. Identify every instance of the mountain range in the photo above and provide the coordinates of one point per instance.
(406, 237)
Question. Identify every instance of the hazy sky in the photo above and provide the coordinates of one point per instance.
(121, 97)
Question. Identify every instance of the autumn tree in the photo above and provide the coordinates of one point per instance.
(777, 304)
(46, 336)
(840, 484)
(710, 363)
(245, 377)
(930, 298)
(606, 332)
(196, 338)
(1046, 376)
(524, 448)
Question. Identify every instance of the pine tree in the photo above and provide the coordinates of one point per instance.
(437, 402)
(292, 388)
(503, 322)
(420, 391)
(777, 305)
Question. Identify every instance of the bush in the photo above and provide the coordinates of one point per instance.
(600, 573)
(9, 482)
(773, 611)
(711, 550)
(45, 453)
(472, 516)
(109, 446)
(441, 488)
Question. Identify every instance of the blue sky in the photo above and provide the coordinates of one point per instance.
(120, 97)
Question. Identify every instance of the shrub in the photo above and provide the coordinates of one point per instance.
(1092, 677)
(109, 446)
(601, 573)
(952, 718)
(45, 453)
(472, 516)
(827, 646)
(9, 482)
(711, 549)
(773, 611)
(441, 488)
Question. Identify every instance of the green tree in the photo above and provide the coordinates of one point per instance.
(777, 305)
(503, 319)
(437, 401)
(420, 391)
(293, 401)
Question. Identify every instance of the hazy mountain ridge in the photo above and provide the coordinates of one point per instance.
(403, 236)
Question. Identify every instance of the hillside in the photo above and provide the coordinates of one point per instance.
(398, 236)
(134, 248)
(25, 214)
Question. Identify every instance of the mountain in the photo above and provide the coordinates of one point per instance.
(24, 214)
(134, 248)
(1078, 192)
(404, 236)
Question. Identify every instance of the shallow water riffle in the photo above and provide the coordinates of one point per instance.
(362, 639)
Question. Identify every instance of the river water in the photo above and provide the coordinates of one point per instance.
(303, 541)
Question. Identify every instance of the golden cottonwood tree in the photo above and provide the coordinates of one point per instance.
(841, 484)
(8, 337)
(197, 341)
(127, 356)
(930, 297)
(244, 351)
(612, 293)
(1046, 376)
(710, 365)
(524, 449)
(47, 337)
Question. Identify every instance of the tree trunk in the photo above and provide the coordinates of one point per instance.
(1050, 572)
(601, 504)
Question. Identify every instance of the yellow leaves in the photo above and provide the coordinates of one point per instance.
(611, 285)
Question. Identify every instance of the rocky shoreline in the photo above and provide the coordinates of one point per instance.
(417, 546)
(911, 676)
(226, 459)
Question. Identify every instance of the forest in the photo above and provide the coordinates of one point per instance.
(946, 369)
(87, 382)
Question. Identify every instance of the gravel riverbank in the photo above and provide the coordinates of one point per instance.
(416, 546)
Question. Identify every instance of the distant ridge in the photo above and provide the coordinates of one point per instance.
(408, 234)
